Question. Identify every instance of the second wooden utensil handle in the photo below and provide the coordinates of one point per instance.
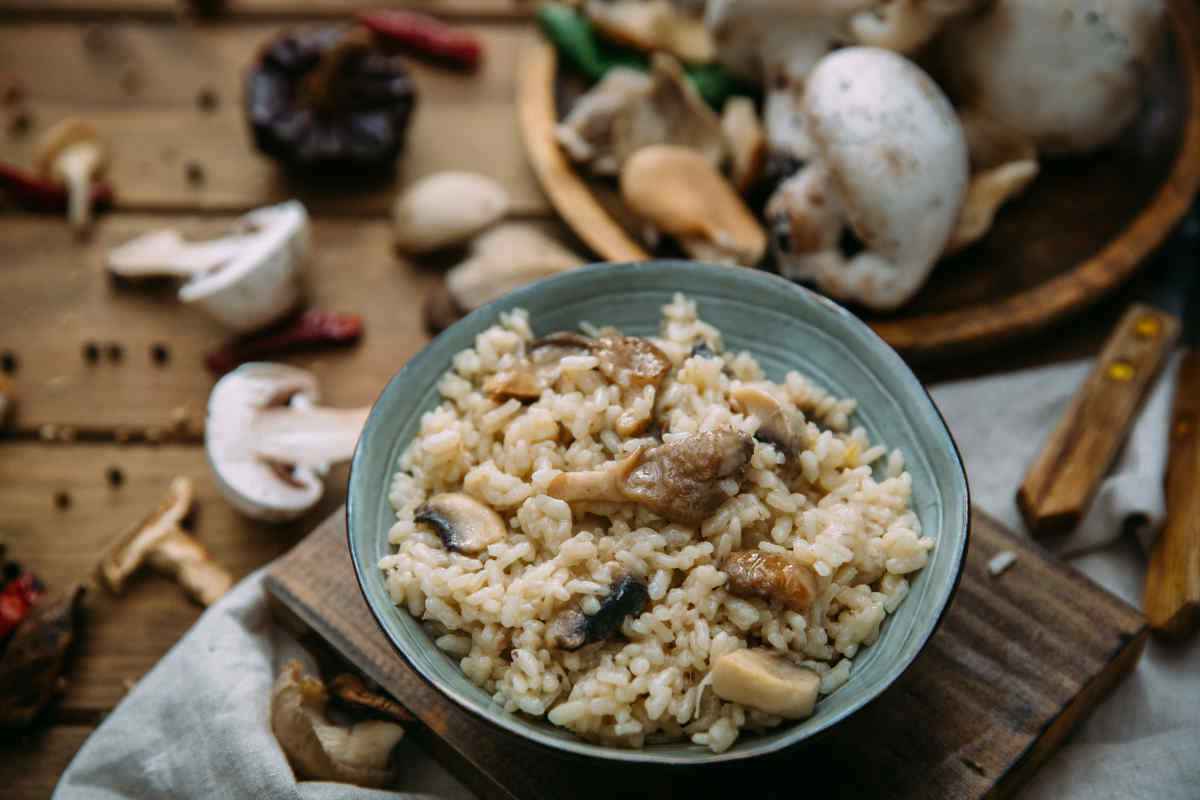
(1172, 595)
(1060, 483)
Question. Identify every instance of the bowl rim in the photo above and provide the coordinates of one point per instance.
(512, 722)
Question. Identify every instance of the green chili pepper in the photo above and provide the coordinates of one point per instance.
(577, 42)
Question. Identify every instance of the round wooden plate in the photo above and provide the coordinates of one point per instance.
(1083, 228)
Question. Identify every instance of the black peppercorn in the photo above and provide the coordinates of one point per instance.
(207, 99)
(62, 500)
(159, 353)
(329, 101)
(115, 476)
(9, 362)
(194, 172)
(115, 351)
(91, 352)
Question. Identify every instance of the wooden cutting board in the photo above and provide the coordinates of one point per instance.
(1018, 661)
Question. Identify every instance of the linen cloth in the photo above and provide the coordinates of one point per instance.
(197, 724)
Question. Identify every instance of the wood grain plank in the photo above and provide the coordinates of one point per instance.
(57, 296)
(139, 84)
(31, 763)
(123, 637)
(1018, 661)
(476, 9)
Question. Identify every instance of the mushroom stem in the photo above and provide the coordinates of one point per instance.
(307, 436)
(77, 165)
(183, 559)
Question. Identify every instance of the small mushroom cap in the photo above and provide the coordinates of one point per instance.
(464, 524)
(446, 209)
(1068, 74)
(767, 681)
(252, 484)
(263, 282)
(678, 191)
(64, 135)
(133, 547)
(506, 258)
(653, 25)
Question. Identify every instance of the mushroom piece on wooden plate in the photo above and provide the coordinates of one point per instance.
(245, 280)
(679, 192)
(268, 442)
(890, 166)
(1066, 74)
(652, 26)
(160, 541)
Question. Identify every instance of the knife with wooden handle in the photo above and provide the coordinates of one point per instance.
(1061, 482)
(1172, 593)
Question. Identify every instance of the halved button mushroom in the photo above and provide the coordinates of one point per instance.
(160, 541)
(269, 445)
(773, 425)
(777, 578)
(572, 629)
(320, 750)
(766, 681)
(681, 193)
(73, 153)
(464, 524)
(891, 166)
(446, 209)
(680, 480)
(245, 280)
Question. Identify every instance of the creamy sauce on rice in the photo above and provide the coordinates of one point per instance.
(835, 508)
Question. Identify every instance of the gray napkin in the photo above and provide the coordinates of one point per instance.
(196, 725)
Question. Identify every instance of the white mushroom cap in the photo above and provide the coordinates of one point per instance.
(1067, 73)
(891, 164)
(262, 283)
(250, 482)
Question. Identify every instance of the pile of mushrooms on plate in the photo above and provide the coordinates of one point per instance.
(877, 136)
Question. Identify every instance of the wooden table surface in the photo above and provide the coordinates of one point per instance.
(136, 68)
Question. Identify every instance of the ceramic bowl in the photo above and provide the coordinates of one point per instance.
(786, 327)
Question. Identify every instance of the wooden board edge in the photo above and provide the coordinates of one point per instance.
(567, 190)
(454, 760)
(1052, 736)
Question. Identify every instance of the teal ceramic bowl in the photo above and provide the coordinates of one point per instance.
(785, 327)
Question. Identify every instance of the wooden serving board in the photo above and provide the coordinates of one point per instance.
(1081, 230)
(1019, 660)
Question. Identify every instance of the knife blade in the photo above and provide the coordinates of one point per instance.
(1064, 477)
(1171, 598)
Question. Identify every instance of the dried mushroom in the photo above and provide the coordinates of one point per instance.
(572, 629)
(624, 114)
(773, 425)
(653, 25)
(32, 664)
(464, 524)
(767, 681)
(680, 193)
(777, 578)
(160, 541)
(320, 750)
(329, 101)
(351, 692)
(446, 209)
(681, 480)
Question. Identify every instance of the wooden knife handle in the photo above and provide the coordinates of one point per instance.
(1172, 599)
(1060, 483)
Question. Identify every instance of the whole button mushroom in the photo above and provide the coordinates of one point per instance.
(73, 153)
(246, 280)
(270, 445)
(890, 165)
(329, 101)
(1068, 74)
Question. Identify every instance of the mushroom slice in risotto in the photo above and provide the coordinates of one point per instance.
(572, 629)
(753, 573)
(464, 524)
(628, 361)
(773, 425)
(679, 480)
(767, 681)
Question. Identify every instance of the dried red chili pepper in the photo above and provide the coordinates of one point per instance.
(17, 597)
(426, 35)
(311, 328)
(32, 193)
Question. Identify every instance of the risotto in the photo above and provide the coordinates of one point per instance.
(644, 539)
